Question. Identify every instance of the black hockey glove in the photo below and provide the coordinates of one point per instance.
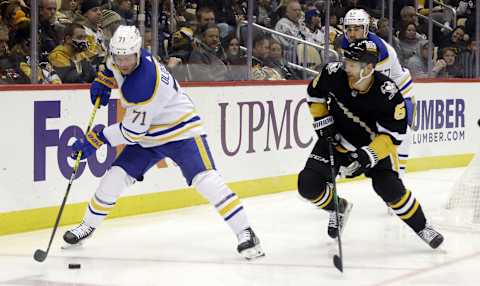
(361, 160)
(325, 127)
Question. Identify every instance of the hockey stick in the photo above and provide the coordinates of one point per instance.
(39, 254)
(337, 259)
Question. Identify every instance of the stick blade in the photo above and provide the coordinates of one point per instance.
(39, 255)
(337, 261)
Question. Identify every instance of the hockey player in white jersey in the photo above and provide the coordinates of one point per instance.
(160, 121)
(356, 23)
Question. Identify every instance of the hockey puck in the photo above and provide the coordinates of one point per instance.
(74, 266)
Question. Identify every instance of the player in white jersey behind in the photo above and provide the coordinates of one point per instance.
(356, 23)
(160, 121)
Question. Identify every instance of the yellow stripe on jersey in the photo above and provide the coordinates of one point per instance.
(406, 79)
(229, 207)
(132, 138)
(318, 109)
(406, 91)
(395, 159)
(203, 153)
(383, 146)
(153, 127)
(384, 61)
(356, 119)
(167, 138)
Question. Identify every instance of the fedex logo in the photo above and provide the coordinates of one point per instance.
(59, 139)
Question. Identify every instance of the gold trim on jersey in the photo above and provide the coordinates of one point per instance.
(153, 127)
(315, 80)
(203, 153)
(404, 92)
(168, 138)
(403, 81)
(155, 90)
(318, 109)
(354, 118)
(382, 61)
(395, 160)
(127, 135)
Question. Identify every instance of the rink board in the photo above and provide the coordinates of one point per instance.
(260, 137)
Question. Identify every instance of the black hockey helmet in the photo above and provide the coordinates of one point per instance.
(363, 50)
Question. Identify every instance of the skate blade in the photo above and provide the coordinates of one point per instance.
(67, 246)
(252, 253)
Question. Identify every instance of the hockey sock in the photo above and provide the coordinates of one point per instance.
(325, 199)
(408, 209)
(228, 205)
(113, 183)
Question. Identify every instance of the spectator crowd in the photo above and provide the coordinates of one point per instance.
(205, 40)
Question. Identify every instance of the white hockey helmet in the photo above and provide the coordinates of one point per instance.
(126, 41)
(357, 17)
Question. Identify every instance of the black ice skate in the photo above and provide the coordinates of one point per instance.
(76, 235)
(431, 236)
(249, 244)
(343, 213)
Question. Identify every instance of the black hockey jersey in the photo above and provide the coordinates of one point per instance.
(360, 117)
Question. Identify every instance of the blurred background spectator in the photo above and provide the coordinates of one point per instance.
(69, 59)
(187, 51)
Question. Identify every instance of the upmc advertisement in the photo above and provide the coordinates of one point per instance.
(260, 133)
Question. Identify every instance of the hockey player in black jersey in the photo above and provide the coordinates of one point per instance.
(364, 113)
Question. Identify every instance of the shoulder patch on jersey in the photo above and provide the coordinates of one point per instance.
(333, 67)
(381, 47)
(140, 86)
(389, 88)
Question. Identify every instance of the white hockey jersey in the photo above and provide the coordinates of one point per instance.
(389, 65)
(157, 110)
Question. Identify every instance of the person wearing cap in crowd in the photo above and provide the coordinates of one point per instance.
(313, 27)
(181, 48)
(89, 16)
(109, 22)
